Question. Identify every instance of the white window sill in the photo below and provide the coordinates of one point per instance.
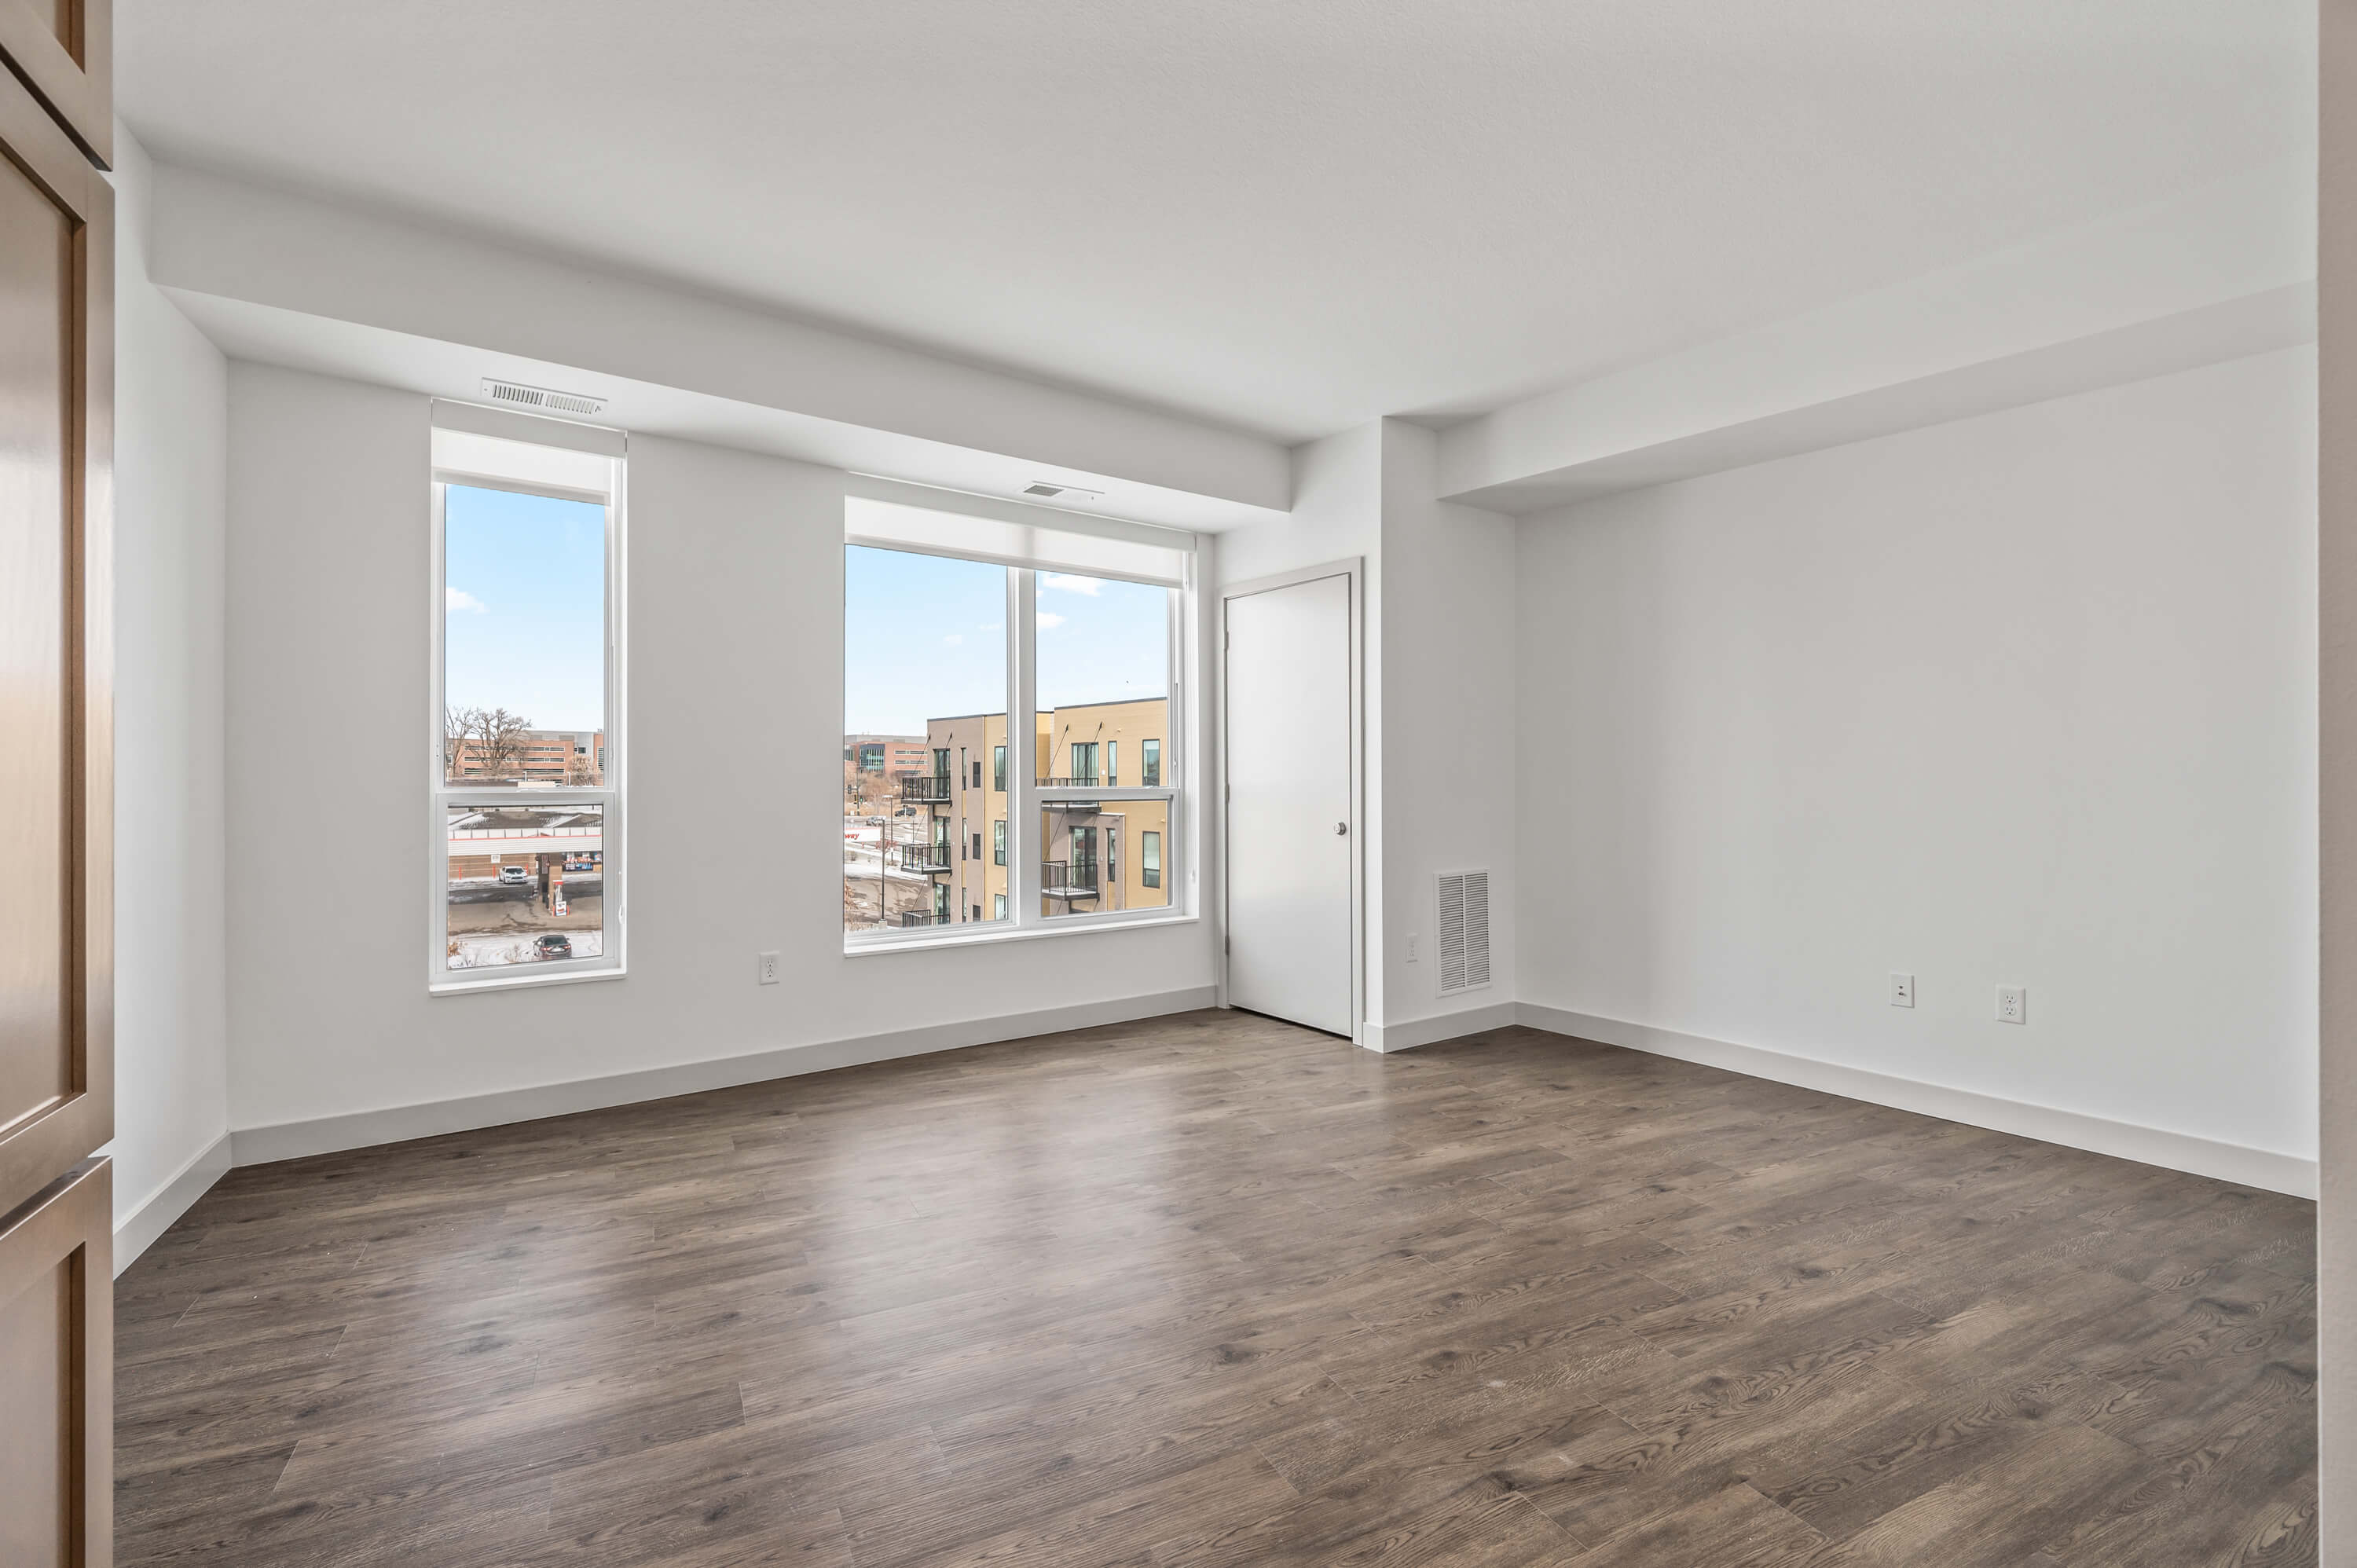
(1064, 927)
(519, 981)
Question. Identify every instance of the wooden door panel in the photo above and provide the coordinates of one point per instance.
(56, 1364)
(36, 432)
(56, 776)
(66, 48)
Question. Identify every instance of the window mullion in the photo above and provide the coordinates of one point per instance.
(1022, 736)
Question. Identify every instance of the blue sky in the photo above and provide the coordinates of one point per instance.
(926, 637)
(524, 607)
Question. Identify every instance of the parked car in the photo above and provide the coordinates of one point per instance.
(556, 945)
(514, 876)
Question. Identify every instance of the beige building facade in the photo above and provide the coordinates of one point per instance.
(1094, 855)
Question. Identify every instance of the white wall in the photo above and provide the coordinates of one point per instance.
(2027, 698)
(171, 1069)
(736, 594)
(1450, 744)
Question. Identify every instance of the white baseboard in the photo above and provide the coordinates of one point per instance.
(393, 1125)
(153, 1215)
(2072, 1129)
(1411, 1033)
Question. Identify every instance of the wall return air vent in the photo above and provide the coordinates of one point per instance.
(1464, 930)
(512, 395)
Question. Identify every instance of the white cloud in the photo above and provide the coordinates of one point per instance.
(953, 638)
(460, 599)
(1050, 621)
(993, 626)
(1071, 583)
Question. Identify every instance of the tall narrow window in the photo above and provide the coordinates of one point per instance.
(527, 775)
(1051, 646)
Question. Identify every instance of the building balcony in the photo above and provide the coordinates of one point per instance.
(925, 789)
(932, 858)
(1088, 781)
(1069, 879)
(914, 918)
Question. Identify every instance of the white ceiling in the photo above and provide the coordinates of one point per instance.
(1289, 216)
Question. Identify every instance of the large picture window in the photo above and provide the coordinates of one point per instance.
(951, 623)
(527, 758)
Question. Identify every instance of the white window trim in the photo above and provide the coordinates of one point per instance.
(1024, 796)
(612, 962)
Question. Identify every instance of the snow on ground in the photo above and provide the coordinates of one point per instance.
(492, 950)
(859, 860)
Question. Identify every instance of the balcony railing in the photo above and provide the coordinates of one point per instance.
(1069, 878)
(1086, 781)
(925, 857)
(917, 917)
(924, 789)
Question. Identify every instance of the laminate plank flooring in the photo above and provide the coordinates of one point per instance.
(1212, 1290)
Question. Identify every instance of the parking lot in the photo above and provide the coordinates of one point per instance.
(492, 922)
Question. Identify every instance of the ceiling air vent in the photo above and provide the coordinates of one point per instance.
(1464, 930)
(1046, 491)
(512, 395)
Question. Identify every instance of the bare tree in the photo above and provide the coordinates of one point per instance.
(491, 739)
(872, 794)
(457, 725)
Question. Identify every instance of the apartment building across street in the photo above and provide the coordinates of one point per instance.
(943, 857)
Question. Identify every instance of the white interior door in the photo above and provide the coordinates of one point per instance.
(1291, 824)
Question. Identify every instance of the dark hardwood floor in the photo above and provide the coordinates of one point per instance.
(1212, 1290)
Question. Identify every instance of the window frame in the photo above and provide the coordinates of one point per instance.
(443, 796)
(1024, 796)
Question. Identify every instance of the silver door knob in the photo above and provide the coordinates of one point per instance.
(1341, 827)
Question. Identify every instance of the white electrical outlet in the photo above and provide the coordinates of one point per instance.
(2013, 1004)
(769, 969)
(1903, 989)
(1411, 947)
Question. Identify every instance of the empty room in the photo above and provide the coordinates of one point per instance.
(1677, 893)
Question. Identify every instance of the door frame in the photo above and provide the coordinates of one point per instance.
(1352, 569)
